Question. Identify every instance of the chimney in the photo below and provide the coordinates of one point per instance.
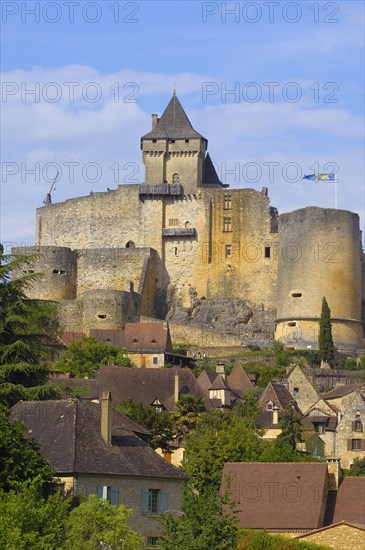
(275, 415)
(334, 471)
(221, 369)
(106, 417)
(154, 121)
(176, 389)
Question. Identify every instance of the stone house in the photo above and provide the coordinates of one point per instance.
(349, 442)
(339, 536)
(222, 390)
(341, 396)
(95, 450)
(302, 389)
(277, 395)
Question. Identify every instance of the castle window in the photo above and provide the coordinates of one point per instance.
(228, 250)
(292, 324)
(296, 294)
(295, 392)
(172, 141)
(173, 222)
(130, 244)
(154, 141)
(28, 271)
(59, 271)
(186, 141)
(176, 178)
(227, 225)
(227, 201)
(175, 250)
(102, 316)
(267, 252)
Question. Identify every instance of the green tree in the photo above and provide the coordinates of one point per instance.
(31, 520)
(291, 429)
(202, 525)
(159, 424)
(219, 437)
(20, 460)
(187, 414)
(282, 355)
(357, 467)
(87, 355)
(325, 341)
(28, 330)
(98, 524)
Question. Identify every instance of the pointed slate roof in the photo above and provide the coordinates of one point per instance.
(219, 384)
(173, 124)
(210, 176)
(239, 381)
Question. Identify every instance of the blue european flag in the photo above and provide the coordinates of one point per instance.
(325, 177)
(321, 177)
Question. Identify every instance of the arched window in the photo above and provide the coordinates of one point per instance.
(176, 178)
(130, 244)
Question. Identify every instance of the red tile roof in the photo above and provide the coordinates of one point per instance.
(277, 495)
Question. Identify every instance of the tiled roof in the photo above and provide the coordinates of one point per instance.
(349, 501)
(206, 379)
(265, 420)
(239, 381)
(145, 385)
(173, 124)
(152, 337)
(69, 434)
(341, 391)
(277, 495)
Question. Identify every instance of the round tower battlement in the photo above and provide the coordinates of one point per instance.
(57, 266)
(319, 256)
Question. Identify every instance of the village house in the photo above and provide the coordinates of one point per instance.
(96, 450)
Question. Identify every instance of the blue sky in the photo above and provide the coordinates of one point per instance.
(296, 69)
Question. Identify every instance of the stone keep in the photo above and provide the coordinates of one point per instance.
(188, 249)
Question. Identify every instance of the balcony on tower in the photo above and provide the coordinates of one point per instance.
(178, 232)
(160, 189)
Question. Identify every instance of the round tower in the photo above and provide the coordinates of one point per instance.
(319, 256)
(57, 266)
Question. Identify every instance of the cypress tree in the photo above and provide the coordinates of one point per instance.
(325, 341)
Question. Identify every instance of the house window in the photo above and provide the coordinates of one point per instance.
(356, 445)
(154, 141)
(267, 252)
(111, 494)
(172, 141)
(227, 225)
(357, 426)
(59, 271)
(228, 250)
(153, 501)
(295, 392)
(227, 201)
(152, 542)
(176, 178)
(155, 361)
(270, 405)
(158, 409)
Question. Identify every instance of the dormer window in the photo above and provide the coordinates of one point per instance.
(270, 405)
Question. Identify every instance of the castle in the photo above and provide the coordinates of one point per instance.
(183, 246)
